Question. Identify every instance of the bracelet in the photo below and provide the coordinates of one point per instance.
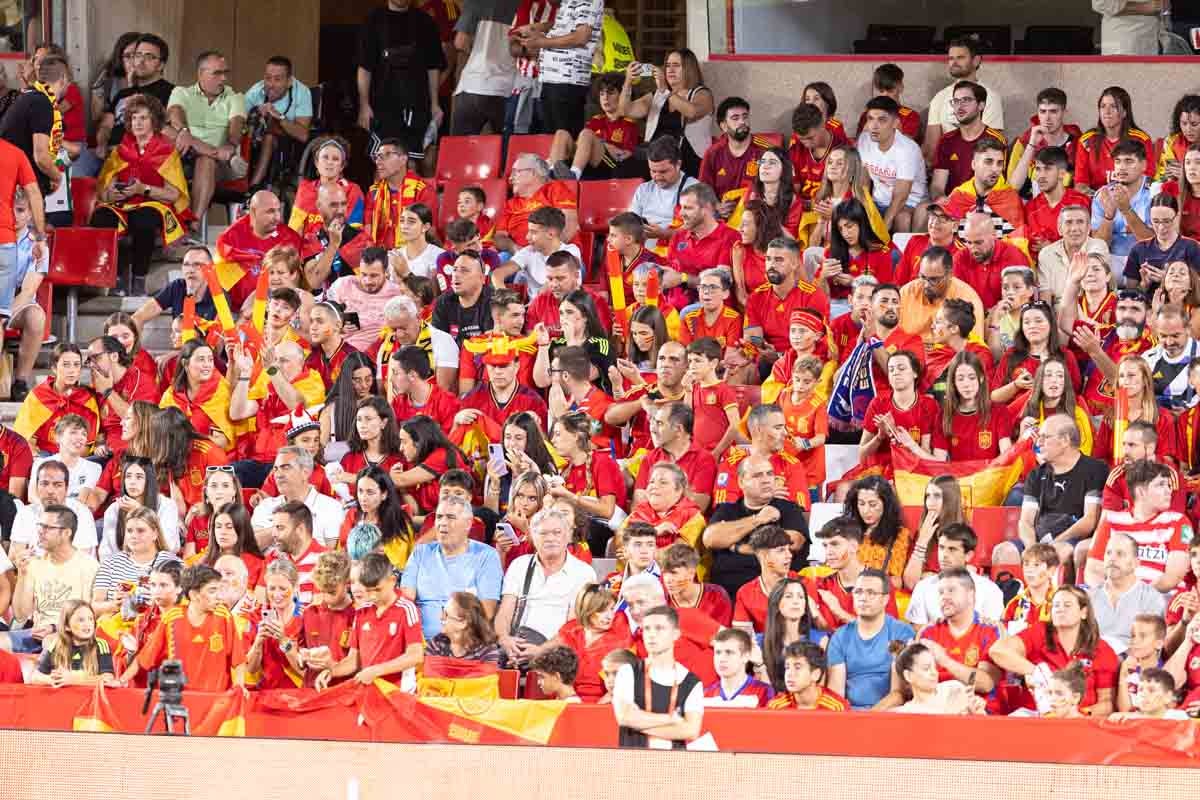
(245, 378)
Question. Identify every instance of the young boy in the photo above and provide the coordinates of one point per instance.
(804, 671)
(807, 420)
(71, 433)
(1155, 699)
(679, 563)
(714, 402)
(1147, 636)
(734, 688)
(1065, 692)
(636, 546)
(772, 547)
(610, 665)
(470, 205)
(627, 240)
(1031, 606)
(888, 81)
(461, 234)
(325, 625)
(555, 669)
(606, 141)
(528, 265)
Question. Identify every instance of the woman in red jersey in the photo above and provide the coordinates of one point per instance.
(758, 227)
(374, 442)
(595, 631)
(971, 427)
(1036, 340)
(854, 250)
(1133, 375)
(1093, 151)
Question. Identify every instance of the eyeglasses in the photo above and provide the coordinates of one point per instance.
(382, 154)
(963, 101)
(1131, 294)
(710, 287)
(1039, 304)
(1162, 222)
(145, 56)
(42, 526)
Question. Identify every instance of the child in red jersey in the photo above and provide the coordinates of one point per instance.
(606, 140)
(470, 205)
(805, 668)
(734, 688)
(713, 402)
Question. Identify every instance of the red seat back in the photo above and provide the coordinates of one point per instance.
(83, 200)
(600, 201)
(495, 189)
(468, 158)
(537, 143)
(993, 525)
(83, 257)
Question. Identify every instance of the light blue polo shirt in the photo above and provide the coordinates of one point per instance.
(295, 103)
(868, 663)
(435, 578)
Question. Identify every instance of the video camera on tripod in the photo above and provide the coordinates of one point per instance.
(170, 681)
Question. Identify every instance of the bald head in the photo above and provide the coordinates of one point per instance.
(331, 203)
(291, 358)
(979, 234)
(266, 212)
(234, 578)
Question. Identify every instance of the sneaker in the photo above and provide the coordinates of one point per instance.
(19, 391)
(562, 171)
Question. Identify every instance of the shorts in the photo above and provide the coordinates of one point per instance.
(23, 642)
(563, 107)
(406, 124)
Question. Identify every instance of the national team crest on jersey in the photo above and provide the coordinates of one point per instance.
(971, 656)
(985, 440)
(216, 643)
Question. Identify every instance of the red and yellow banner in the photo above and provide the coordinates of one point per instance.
(983, 483)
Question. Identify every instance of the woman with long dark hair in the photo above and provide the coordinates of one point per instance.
(1185, 133)
(774, 186)
(181, 456)
(873, 503)
(122, 327)
(647, 333)
(943, 506)
(581, 327)
(591, 479)
(1036, 339)
(375, 442)
(202, 393)
(789, 619)
(355, 382)
(1186, 189)
(821, 95)
(418, 255)
(1052, 393)
(759, 227)
(230, 534)
(221, 487)
(856, 250)
(135, 436)
(525, 450)
(379, 507)
(139, 489)
(1114, 123)
(971, 428)
(426, 454)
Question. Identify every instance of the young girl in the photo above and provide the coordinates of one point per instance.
(419, 254)
(1065, 692)
(139, 489)
(918, 673)
(789, 619)
(221, 488)
(124, 329)
(853, 250)
(610, 665)
(807, 420)
(231, 534)
(647, 333)
(970, 428)
(78, 657)
(1018, 286)
(1051, 393)
(943, 506)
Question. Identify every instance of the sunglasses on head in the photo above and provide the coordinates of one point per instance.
(1131, 294)
(219, 468)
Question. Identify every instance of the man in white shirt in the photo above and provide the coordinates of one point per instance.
(72, 434)
(50, 480)
(402, 316)
(293, 468)
(895, 164)
(955, 548)
(656, 199)
(539, 589)
(546, 226)
(962, 62)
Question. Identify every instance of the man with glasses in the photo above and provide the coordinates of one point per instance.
(962, 62)
(1121, 208)
(860, 651)
(466, 310)
(293, 468)
(1148, 259)
(1062, 495)
(532, 188)
(144, 64)
(941, 230)
(985, 258)
(955, 151)
(396, 188)
(49, 576)
(1169, 359)
(170, 298)
(920, 299)
(117, 385)
(206, 120)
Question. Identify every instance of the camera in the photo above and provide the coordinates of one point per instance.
(170, 680)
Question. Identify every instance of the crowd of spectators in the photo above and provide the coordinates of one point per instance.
(417, 445)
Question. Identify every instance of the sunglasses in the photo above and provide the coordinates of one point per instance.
(219, 468)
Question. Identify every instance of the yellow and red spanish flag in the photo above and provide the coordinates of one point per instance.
(258, 313)
(1120, 421)
(220, 301)
(986, 483)
(616, 284)
(226, 716)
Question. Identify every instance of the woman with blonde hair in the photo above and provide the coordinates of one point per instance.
(1133, 375)
(1180, 287)
(121, 575)
(285, 271)
(595, 631)
(845, 177)
(75, 656)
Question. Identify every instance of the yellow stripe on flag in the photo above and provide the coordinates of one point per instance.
(529, 720)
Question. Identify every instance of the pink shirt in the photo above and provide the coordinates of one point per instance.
(368, 306)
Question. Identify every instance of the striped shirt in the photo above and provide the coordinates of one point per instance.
(120, 568)
(305, 565)
(1156, 538)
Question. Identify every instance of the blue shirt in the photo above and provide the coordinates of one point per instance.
(868, 662)
(1122, 240)
(435, 578)
(295, 103)
(1149, 253)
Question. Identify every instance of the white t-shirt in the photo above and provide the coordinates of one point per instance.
(693, 703)
(902, 161)
(425, 263)
(572, 65)
(550, 600)
(168, 518)
(24, 530)
(942, 113)
(533, 266)
(327, 515)
(925, 606)
(84, 473)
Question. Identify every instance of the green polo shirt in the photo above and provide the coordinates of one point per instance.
(208, 122)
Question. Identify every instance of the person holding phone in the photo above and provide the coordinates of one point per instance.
(273, 661)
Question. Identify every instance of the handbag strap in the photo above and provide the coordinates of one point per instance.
(523, 600)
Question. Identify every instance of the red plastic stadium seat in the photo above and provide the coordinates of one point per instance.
(83, 200)
(993, 525)
(468, 158)
(600, 201)
(82, 257)
(587, 249)
(494, 188)
(538, 144)
(775, 138)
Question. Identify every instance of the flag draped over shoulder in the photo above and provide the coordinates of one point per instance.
(984, 483)
(156, 166)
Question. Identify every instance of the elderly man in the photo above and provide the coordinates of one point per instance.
(921, 298)
(539, 589)
(980, 265)
(235, 592)
(403, 326)
(1169, 359)
(366, 294)
(465, 310)
(563, 276)
(671, 434)
(656, 200)
(1055, 259)
(643, 592)
(1121, 597)
(702, 242)
(207, 119)
(396, 188)
(293, 468)
(452, 563)
(246, 241)
(533, 189)
(284, 385)
(732, 523)
(768, 312)
(335, 249)
(280, 112)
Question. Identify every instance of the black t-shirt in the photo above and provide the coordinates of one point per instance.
(160, 89)
(732, 570)
(399, 48)
(1065, 493)
(170, 299)
(104, 662)
(463, 323)
(29, 114)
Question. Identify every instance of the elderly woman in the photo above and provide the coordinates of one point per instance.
(595, 631)
(466, 632)
(54, 398)
(667, 507)
(141, 188)
(331, 157)
(201, 392)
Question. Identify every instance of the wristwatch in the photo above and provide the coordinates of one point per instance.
(272, 370)
(286, 645)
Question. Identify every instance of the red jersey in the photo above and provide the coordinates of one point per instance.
(514, 218)
(16, 457)
(595, 404)
(329, 368)
(239, 243)
(355, 463)
(483, 399)
(426, 494)
(954, 153)
(1169, 532)
(754, 267)
(698, 464)
(970, 441)
(1192, 668)
(910, 262)
(807, 419)
(1166, 448)
(381, 635)
(918, 420)
(10, 668)
(833, 584)
(877, 261)
(134, 385)
(845, 331)
(16, 171)
(970, 649)
(276, 671)
(751, 604)
(1094, 162)
(321, 626)
(727, 330)
(544, 309)
(789, 474)
(210, 651)
(204, 454)
(588, 683)
(826, 700)
(1041, 219)
(808, 171)
(441, 407)
(1100, 666)
(710, 406)
(910, 123)
(1099, 392)
(714, 601)
(725, 172)
(1189, 223)
(766, 310)
(1006, 370)
(692, 254)
(599, 476)
(621, 132)
(899, 339)
(693, 648)
(985, 278)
